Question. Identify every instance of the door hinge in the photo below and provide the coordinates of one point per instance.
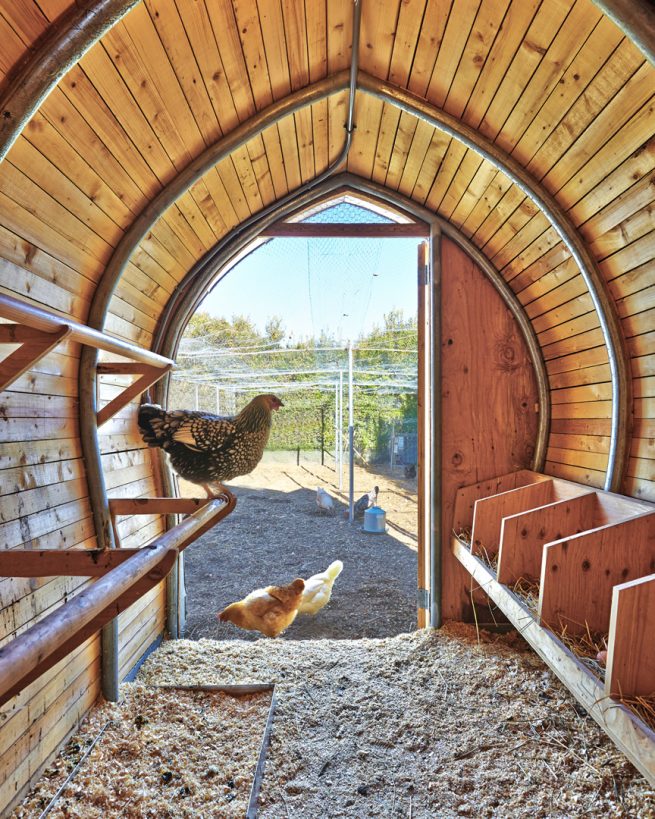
(423, 598)
(423, 275)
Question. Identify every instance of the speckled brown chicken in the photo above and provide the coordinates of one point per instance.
(208, 449)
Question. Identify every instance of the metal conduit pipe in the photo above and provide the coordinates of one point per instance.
(607, 316)
(113, 271)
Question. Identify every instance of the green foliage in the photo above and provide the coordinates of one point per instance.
(224, 363)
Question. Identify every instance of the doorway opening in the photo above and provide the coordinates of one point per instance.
(323, 312)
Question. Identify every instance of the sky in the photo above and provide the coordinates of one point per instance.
(343, 286)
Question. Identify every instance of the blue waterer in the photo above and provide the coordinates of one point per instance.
(375, 521)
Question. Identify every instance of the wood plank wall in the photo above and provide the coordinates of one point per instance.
(552, 82)
(487, 382)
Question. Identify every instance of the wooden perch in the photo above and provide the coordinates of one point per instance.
(171, 506)
(31, 316)
(62, 562)
(36, 650)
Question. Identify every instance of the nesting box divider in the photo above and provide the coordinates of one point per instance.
(522, 536)
(630, 657)
(488, 514)
(467, 495)
(596, 577)
(579, 572)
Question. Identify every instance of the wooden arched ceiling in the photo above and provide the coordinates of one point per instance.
(553, 84)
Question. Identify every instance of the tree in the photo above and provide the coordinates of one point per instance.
(385, 359)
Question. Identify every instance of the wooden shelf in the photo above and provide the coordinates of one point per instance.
(38, 332)
(592, 555)
(124, 575)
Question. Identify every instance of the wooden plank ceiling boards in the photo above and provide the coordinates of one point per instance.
(554, 86)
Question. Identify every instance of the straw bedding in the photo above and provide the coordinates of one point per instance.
(427, 724)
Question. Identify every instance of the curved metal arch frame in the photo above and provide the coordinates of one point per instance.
(209, 271)
(415, 106)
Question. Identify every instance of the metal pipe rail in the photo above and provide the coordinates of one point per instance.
(23, 313)
(124, 581)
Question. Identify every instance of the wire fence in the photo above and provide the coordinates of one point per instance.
(310, 422)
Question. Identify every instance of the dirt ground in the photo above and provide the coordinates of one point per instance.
(277, 533)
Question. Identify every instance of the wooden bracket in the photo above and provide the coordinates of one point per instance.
(148, 373)
(173, 506)
(123, 577)
(34, 345)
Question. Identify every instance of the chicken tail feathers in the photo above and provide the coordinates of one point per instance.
(288, 595)
(151, 433)
(334, 569)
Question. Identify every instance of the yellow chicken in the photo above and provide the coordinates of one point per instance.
(270, 610)
(318, 589)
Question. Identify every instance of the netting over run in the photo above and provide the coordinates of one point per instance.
(281, 321)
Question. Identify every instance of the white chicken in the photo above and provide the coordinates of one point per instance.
(324, 501)
(318, 589)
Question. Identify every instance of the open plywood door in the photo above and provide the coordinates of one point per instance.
(477, 402)
(487, 398)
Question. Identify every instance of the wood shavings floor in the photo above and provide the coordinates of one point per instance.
(427, 724)
(160, 753)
